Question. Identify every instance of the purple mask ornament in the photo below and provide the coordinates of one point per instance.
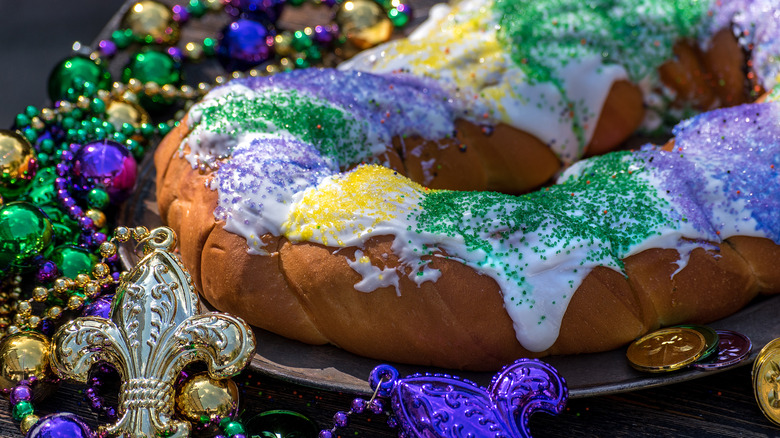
(439, 405)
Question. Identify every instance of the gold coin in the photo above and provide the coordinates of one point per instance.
(766, 381)
(667, 349)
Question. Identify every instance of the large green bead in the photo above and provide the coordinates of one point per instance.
(17, 163)
(152, 66)
(42, 191)
(73, 73)
(72, 260)
(24, 232)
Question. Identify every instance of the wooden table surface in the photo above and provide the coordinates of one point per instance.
(717, 405)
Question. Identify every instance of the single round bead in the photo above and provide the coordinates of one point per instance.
(54, 312)
(376, 406)
(358, 405)
(325, 434)
(75, 71)
(100, 308)
(18, 163)
(73, 260)
(25, 231)
(341, 419)
(28, 422)
(243, 44)
(152, 66)
(40, 294)
(152, 21)
(122, 234)
(97, 217)
(23, 355)
(20, 393)
(60, 425)
(107, 165)
(21, 410)
(233, 428)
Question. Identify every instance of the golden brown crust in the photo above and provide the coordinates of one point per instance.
(305, 291)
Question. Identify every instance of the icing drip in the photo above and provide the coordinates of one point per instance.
(537, 247)
(547, 66)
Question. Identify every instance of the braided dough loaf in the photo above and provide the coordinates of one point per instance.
(381, 266)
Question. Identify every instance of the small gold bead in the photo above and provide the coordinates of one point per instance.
(14, 295)
(47, 114)
(140, 233)
(151, 88)
(34, 321)
(40, 294)
(16, 291)
(12, 329)
(237, 74)
(28, 422)
(135, 85)
(204, 87)
(107, 249)
(60, 285)
(188, 92)
(81, 280)
(82, 102)
(65, 107)
(194, 51)
(219, 80)
(103, 95)
(24, 308)
(271, 69)
(108, 279)
(100, 270)
(20, 320)
(4, 321)
(254, 73)
(169, 91)
(37, 123)
(118, 88)
(92, 289)
(54, 312)
(5, 309)
(97, 216)
(122, 234)
(75, 302)
(95, 56)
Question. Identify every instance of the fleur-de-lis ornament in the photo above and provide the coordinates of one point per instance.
(155, 330)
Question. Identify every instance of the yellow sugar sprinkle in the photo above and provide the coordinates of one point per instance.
(350, 205)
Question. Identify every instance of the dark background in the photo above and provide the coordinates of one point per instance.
(34, 36)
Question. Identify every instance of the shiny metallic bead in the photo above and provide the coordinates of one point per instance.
(23, 307)
(151, 88)
(101, 270)
(97, 216)
(23, 355)
(92, 289)
(140, 233)
(54, 312)
(40, 294)
(107, 249)
(60, 286)
(202, 397)
(34, 321)
(135, 85)
(364, 23)
(18, 163)
(152, 21)
(119, 112)
(81, 280)
(169, 91)
(75, 302)
(122, 234)
(28, 422)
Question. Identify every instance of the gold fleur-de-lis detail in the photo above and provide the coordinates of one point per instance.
(155, 330)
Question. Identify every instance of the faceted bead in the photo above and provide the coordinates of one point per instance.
(233, 428)
(340, 419)
(98, 198)
(17, 163)
(24, 232)
(20, 393)
(73, 260)
(152, 66)
(21, 410)
(73, 73)
(152, 21)
(243, 44)
(60, 425)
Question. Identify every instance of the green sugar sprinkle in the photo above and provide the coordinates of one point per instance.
(333, 131)
(608, 208)
(543, 35)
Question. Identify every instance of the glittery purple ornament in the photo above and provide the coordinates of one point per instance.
(100, 308)
(46, 272)
(108, 165)
(243, 44)
(59, 426)
(438, 405)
